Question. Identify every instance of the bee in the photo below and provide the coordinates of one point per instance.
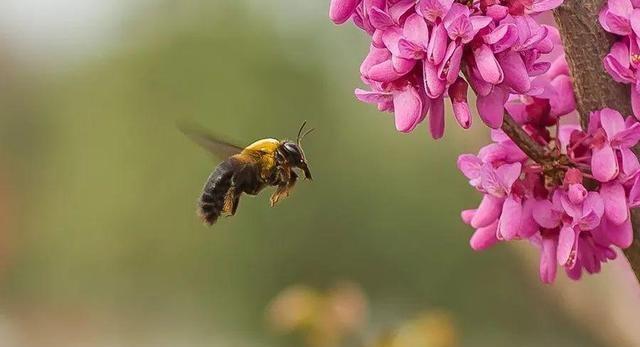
(248, 170)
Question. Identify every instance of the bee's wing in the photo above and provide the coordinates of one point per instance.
(212, 144)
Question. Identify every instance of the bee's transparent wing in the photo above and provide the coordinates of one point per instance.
(211, 143)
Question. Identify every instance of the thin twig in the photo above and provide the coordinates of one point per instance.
(527, 144)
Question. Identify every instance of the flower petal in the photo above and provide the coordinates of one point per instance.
(484, 237)
(408, 109)
(515, 72)
(341, 10)
(548, 262)
(487, 64)
(488, 211)
(620, 235)
(510, 219)
(604, 164)
(436, 118)
(491, 107)
(615, 202)
(415, 30)
(566, 244)
(612, 122)
(545, 215)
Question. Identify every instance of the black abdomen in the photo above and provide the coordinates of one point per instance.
(211, 203)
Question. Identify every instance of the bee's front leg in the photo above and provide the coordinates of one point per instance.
(284, 187)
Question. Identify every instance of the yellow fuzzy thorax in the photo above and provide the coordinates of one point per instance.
(266, 148)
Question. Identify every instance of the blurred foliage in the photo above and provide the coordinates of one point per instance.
(325, 319)
(104, 190)
(430, 329)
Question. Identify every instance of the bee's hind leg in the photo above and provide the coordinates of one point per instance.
(284, 188)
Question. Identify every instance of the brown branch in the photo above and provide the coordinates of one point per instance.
(527, 144)
(586, 43)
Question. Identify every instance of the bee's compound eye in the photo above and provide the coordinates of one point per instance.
(293, 150)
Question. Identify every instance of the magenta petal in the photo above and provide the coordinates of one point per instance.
(528, 226)
(630, 163)
(544, 214)
(491, 107)
(620, 7)
(372, 97)
(635, 21)
(566, 243)
(617, 71)
(488, 211)
(450, 67)
(515, 72)
(484, 237)
(462, 114)
(434, 86)
(408, 109)
(545, 5)
(436, 118)
(401, 7)
(383, 72)
(470, 166)
(574, 272)
(401, 65)
(467, 215)
(410, 50)
(604, 164)
(635, 102)
(487, 64)
(548, 262)
(380, 19)
(634, 193)
(341, 10)
(612, 122)
(628, 137)
(564, 102)
(437, 44)
(508, 174)
(615, 202)
(577, 193)
(375, 57)
(415, 30)
(497, 34)
(620, 235)
(510, 219)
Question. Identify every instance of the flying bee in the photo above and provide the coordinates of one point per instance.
(266, 162)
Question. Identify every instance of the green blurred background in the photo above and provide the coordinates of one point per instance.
(100, 243)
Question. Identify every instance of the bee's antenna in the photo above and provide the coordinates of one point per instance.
(305, 134)
(299, 138)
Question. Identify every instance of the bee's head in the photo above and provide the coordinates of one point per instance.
(291, 153)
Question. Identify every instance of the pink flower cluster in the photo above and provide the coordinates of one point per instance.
(573, 208)
(420, 47)
(622, 18)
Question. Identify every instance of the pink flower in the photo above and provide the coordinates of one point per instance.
(544, 110)
(622, 64)
(612, 136)
(428, 43)
(405, 101)
(615, 17)
(573, 212)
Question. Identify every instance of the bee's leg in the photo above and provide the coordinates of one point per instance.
(231, 200)
(284, 188)
(236, 202)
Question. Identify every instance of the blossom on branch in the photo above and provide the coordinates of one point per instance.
(574, 207)
(424, 51)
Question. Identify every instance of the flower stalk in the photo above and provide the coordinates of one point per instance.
(527, 144)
